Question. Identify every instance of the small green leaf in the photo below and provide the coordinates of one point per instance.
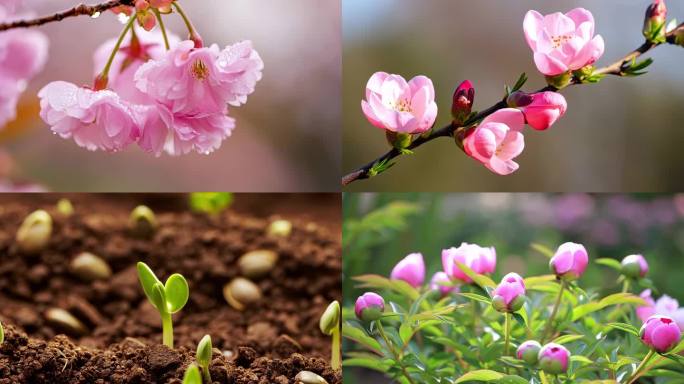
(210, 202)
(360, 337)
(481, 280)
(629, 328)
(147, 279)
(480, 375)
(567, 339)
(405, 333)
(521, 81)
(158, 297)
(204, 353)
(381, 282)
(512, 379)
(192, 375)
(614, 299)
(475, 296)
(177, 292)
(2, 334)
(543, 249)
(612, 263)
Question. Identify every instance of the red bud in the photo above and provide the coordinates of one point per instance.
(462, 105)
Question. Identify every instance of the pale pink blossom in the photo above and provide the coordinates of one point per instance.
(665, 306)
(410, 269)
(442, 283)
(94, 119)
(399, 106)
(562, 42)
(201, 80)
(497, 141)
(481, 260)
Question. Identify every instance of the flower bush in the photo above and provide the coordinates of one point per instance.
(532, 329)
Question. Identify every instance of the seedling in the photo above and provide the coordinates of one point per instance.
(192, 375)
(168, 298)
(210, 202)
(34, 233)
(203, 356)
(142, 222)
(2, 334)
(330, 325)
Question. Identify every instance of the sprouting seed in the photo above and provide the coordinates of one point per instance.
(308, 377)
(142, 222)
(89, 267)
(65, 208)
(256, 264)
(330, 325)
(192, 375)
(212, 203)
(203, 356)
(34, 233)
(280, 228)
(241, 292)
(167, 298)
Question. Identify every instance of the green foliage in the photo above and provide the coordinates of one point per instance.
(210, 202)
(192, 375)
(2, 334)
(636, 68)
(383, 165)
(203, 356)
(518, 84)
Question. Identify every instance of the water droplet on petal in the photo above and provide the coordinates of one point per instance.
(123, 19)
(95, 15)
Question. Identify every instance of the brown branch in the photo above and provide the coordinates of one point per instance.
(616, 69)
(78, 10)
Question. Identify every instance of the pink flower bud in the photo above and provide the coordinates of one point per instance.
(497, 141)
(554, 358)
(462, 105)
(509, 295)
(441, 282)
(162, 4)
(146, 19)
(141, 5)
(529, 352)
(654, 21)
(634, 266)
(660, 333)
(541, 110)
(411, 269)
(369, 306)
(481, 260)
(570, 261)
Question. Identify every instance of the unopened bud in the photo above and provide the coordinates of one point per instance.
(519, 99)
(462, 104)
(559, 81)
(654, 21)
(330, 320)
(398, 140)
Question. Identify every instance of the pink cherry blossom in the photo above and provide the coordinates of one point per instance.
(410, 269)
(399, 106)
(497, 141)
(541, 109)
(481, 260)
(665, 306)
(201, 80)
(94, 119)
(562, 42)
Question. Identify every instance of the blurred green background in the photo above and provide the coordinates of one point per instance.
(619, 135)
(379, 229)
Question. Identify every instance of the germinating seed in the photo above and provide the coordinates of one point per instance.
(256, 264)
(307, 377)
(142, 222)
(34, 233)
(280, 228)
(65, 208)
(241, 292)
(89, 267)
(65, 321)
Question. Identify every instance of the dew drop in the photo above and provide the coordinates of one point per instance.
(123, 19)
(95, 15)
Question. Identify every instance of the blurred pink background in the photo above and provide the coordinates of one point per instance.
(287, 135)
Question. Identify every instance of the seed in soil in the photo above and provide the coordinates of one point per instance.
(89, 267)
(241, 292)
(65, 208)
(308, 377)
(257, 264)
(203, 356)
(65, 321)
(34, 233)
(330, 325)
(142, 222)
(280, 228)
(168, 298)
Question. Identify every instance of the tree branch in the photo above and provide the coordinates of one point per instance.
(78, 10)
(616, 69)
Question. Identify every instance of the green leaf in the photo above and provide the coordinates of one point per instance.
(543, 249)
(582, 360)
(370, 362)
(512, 379)
(536, 280)
(192, 375)
(405, 333)
(567, 339)
(147, 279)
(210, 202)
(158, 297)
(521, 81)
(629, 328)
(380, 167)
(177, 292)
(612, 263)
(476, 297)
(381, 282)
(481, 280)
(614, 299)
(203, 355)
(678, 348)
(360, 337)
(480, 375)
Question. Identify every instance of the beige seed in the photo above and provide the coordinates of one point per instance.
(241, 292)
(65, 208)
(89, 267)
(280, 228)
(256, 264)
(142, 222)
(34, 233)
(307, 377)
(65, 322)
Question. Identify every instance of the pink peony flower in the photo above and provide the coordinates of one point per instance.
(569, 261)
(554, 358)
(369, 306)
(95, 119)
(193, 80)
(664, 306)
(541, 109)
(481, 260)
(529, 351)
(441, 282)
(561, 42)
(660, 333)
(497, 141)
(411, 269)
(634, 266)
(509, 295)
(397, 106)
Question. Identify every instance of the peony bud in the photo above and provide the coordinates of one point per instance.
(570, 261)
(529, 352)
(411, 269)
(541, 109)
(553, 358)
(660, 333)
(369, 306)
(654, 21)
(442, 283)
(509, 295)
(462, 105)
(634, 266)
(481, 260)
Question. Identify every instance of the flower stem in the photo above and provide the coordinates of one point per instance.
(186, 20)
(397, 356)
(162, 27)
(542, 377)
(129, 25)
(167, 330)
(335, 359)
(549, 323)
(507, 333)
(641, 366)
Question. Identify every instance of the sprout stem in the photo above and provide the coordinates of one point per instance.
(335, 359)
(549, 323)
(167, 329)
(163, 28)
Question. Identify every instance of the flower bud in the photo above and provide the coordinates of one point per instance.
(146, 19)
(559, 81)
(509, 295)
(660, 333)
(398, 140)
(654, 21)
(462, 104)
(142, 222)
(442, 283)
(34, 233)
(529, 352)
(541, 109)
(410, 269)
(553, 358)
(569, 261)
(481, 260)
(369, 306)
(330, 320)
(634, 266)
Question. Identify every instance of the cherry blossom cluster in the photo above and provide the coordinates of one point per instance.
(154, 89)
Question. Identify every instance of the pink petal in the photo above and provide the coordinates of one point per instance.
(375, 83)
(512, 146)
(580, 16)
(591, 52)
(483, 143)
(512, 117)
(557, 24)
(548, 65)
(502, 167)
(533, 25)
(422, 82)
(370, 114)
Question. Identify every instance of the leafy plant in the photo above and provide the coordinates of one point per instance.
(210, 202)
(167, 298)
(330, 325)
(203, 356)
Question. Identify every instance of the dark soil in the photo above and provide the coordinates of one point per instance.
(270, 342)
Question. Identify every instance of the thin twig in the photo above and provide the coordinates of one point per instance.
(616, 69)
(78, 10)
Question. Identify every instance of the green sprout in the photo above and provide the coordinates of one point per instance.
(192, 375)
(2, 334)
(210, 202)
(168, 298)
(203, 356)
(330, 325)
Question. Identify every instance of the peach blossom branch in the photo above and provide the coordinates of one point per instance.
(615, 69)
(78, 10)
